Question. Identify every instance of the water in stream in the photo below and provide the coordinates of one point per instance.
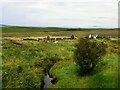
(47, 81)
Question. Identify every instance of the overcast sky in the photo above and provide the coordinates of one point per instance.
(60, 13)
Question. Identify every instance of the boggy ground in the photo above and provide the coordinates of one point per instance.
(105, 74)
(24, 67)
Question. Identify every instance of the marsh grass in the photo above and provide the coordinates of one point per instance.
(105, 74)
(24, 67)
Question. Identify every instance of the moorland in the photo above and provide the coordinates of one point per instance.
(26, 62)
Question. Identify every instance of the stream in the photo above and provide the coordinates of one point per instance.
(47, 81)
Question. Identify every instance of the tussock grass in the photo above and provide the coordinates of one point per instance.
(24, 67)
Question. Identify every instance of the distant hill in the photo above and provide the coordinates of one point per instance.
(4, 25)
(22, 31)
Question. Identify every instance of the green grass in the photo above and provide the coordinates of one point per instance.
(34, 31)
(105, 74)
(47, 29)
(19, 70)
(24, 67)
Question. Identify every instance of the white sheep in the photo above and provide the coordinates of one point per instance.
(90, 36)
(56, 42)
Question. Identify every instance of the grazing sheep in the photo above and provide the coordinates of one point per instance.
(93, 36)
(55, 41)
(90, 36)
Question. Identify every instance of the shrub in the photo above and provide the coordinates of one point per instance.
(88, 53)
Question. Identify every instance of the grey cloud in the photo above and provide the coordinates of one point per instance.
(62, 13)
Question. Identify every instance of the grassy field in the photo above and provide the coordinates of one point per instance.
(105, 74)
(79, 32)
(24, 66)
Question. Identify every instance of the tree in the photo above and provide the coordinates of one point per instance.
(88, 53)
